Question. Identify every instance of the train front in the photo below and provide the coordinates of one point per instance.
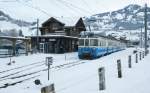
(86, 49)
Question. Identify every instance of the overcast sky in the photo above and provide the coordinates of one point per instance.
(27, 9)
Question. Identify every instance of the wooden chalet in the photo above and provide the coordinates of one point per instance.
(63, 26)
(58, 35)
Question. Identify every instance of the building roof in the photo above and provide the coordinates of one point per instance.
(67, 21)
(55, 36)
(11, 37)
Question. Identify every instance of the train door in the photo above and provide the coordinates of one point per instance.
(107, 45)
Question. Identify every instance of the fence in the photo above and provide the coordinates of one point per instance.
(9, 52)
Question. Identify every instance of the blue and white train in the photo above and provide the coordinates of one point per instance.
(91, 48)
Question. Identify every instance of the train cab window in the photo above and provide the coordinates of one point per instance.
(93, 42)
(81, 42)
(86, 42)
(100, 43)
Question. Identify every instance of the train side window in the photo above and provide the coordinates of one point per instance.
(108, 43)
(93, 42)
(104, 43)
(100, 43)
(86, 42)
(81, 42)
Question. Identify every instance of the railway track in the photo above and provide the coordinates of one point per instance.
(58, 67)
(21, 67)
(12, 84)
(17, 72)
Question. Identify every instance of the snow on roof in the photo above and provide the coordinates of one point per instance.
(133, 38)
(49, 35)
(68, 21)
(11, 37)
(93, 32)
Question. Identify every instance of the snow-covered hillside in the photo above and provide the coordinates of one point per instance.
(22, 14)
(9, 23)
(130, 17)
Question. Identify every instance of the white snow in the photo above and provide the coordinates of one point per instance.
(82, 77)
(68, 21)
(140, 14)
(129, 17)
(7, 25)
(4, 25)
(119, 16)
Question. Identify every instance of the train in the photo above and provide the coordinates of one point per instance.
(95, 47)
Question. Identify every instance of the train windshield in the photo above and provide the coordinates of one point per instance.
(81, 42)
(93, 42)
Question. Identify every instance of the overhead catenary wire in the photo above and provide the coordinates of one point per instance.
(31, 6)
(35, 7)
(55, 2)
(77, 7)
(73, 10)
(88, 6)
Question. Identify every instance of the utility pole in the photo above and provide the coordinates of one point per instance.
(37, 33)
(141, 39)
(145, 24)
(89, 28)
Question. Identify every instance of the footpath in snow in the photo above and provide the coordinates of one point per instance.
(71, 75)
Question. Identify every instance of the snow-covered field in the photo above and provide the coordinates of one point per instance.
(71, 75)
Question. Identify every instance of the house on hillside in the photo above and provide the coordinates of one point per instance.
(58, 35)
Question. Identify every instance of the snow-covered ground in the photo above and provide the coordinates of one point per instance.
(71, 75)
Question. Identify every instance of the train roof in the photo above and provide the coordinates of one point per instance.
(101, 34)
(105, 37)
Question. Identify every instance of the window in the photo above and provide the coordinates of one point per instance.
(100, 44)
(86, 42)
(55, 26)
(93, 42)
(81, 42)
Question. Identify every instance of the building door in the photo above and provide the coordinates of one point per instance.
(41, 47)
(51, 47)
(46, 46)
